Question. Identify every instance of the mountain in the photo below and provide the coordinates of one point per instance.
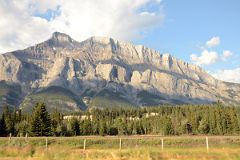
(101, 72)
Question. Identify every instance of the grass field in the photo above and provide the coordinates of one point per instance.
(133, 148)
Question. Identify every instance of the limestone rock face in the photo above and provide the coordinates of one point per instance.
(112, 72)
(100, 63)
(9, 67)
(105, 71)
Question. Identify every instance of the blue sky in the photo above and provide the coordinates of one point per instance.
(181, 28)
(189, 24)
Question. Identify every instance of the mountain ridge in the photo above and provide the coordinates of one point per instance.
(102, 63)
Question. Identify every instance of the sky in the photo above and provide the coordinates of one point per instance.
(203, 32)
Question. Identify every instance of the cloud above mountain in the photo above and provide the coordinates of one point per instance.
(213, 42)
(229, 75)
(26, 22)
(206, 58)
(209, 56)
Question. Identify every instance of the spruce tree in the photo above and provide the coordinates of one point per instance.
(167, 126)
(102, 127)
(9, 121)
(40, 122)
(3, 131)
(75, 127)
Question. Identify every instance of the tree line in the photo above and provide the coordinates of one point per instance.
(213, 119)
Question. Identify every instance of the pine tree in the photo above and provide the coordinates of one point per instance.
(61, 129)
(56, 118)
(75, 127)
(86, 127)
(3, 131)
(102, 127)
(40, 122)
(120, 124)
(8, 120)
(22, 128)
(203, 126)
(167, 126)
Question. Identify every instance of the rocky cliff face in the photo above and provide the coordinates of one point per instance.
(101, 67)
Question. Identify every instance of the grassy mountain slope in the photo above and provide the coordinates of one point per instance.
(109, 98)
(55, 98)
(10, 94)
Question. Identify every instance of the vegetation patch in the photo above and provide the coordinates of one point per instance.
(55, 98)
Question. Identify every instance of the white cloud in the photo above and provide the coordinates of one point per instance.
(18, 28)
(158, 1)
(213, 42)
(228, 75)
(148, 14)
(122, 19)
(226, 54)
(210, 57)
(206, 58)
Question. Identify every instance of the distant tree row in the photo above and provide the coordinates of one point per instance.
(163, 120)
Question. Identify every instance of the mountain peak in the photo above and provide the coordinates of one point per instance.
(61, 37)
(61, 40)
(101, 39)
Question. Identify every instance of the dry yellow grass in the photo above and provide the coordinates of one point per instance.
(177, 148)
(126, 154)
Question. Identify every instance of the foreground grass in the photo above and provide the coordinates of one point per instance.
(133, 148)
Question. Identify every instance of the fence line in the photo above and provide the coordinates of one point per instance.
(26, 137)
(84, 144)
(46, 143)
(162, 142)
(9, 139)
(207, 143)
(120, 143)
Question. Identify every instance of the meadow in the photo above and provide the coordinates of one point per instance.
(130, 148)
